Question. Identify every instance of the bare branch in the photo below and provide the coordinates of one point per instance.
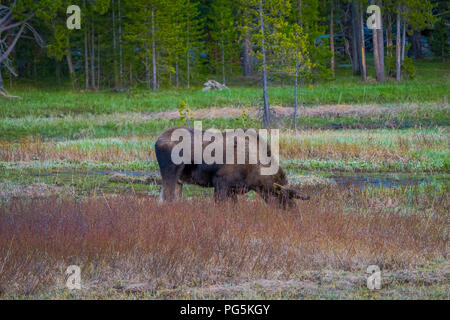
(6, 17)
(13, 44)
(14, 25)
(7, 64)
(36, 35)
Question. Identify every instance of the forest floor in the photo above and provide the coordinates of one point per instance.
(79, 182)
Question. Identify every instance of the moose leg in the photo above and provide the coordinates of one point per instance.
(220, 194)
(178, 190)
(232, 194)
(221, 190)
(171, 188)
(224, 193)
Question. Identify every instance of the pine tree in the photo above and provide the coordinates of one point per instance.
(292, 55)
(223, 34)
(306, 13)
(193, 27)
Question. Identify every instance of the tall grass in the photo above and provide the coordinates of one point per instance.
(196, 243)
(415, 150)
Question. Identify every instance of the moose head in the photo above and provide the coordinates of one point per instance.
(287, 195)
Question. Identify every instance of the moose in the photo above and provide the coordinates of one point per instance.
(228, 179)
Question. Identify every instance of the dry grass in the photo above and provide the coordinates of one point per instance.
(128, 239)
(9, 190)
(310, 144)
(363, 145)
(103, 150)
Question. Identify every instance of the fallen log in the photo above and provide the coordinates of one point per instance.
(5, 94)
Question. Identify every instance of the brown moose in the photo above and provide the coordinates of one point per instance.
(228, 180)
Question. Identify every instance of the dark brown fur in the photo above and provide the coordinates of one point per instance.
(228, 180)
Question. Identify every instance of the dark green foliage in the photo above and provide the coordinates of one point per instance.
(408, 68)
(194, 40)
(439, 39)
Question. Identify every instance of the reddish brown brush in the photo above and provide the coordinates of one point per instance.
(198, 242)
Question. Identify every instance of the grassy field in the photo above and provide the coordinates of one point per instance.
(374, 158)
(43, 100)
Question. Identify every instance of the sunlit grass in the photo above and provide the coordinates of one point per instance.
(383, 150)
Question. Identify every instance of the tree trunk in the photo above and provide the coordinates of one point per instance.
(116, 71)
(247, 57)
(119, 17)
(2, 84)
(58, 71)
(3, 91)
(147, 71)
(86, 60)
(355, 41)
(98, 63)
(131, 74)
(376, 58)
(296, 94)
(378, 53)
(389, 35)
(363, 45)
(93, 57)
(347, 50)
(332, 36)
(380, 38)
(263, 51)
(35, 60)
(403, 47)
(176, 73)
(70, 67)
(153, 51)
(231, 62)
(70, 63)
(223, 63)
(188, 71)
(398, 76)
(417, 45)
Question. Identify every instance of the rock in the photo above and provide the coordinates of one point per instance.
(214, 85)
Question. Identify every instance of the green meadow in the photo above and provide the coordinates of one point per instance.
(374, 157)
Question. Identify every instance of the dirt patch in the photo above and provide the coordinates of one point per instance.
(279, 111)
